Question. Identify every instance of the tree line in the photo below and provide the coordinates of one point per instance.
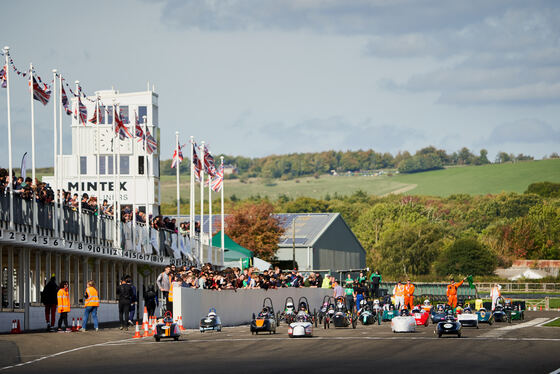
(307, 164)
(423, 235)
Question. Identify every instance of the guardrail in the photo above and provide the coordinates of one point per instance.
(520, 287)
(100, 231)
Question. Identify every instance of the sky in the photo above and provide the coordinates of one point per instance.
(261, 77)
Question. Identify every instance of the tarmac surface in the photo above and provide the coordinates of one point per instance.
(522, 347)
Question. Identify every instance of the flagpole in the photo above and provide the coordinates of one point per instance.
(191, 196)
(34, 202)
(201, 200)
(177, 166)
(61, 158)
(11, 185)
(79, 164)
(134, 204)
(114, 179)
(222, 206)
(55, 149)
(210, 218)
(145, 119)
(99, 202)
(118, 170)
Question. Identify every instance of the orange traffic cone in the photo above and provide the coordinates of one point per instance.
(79, 324)
(14, 329)
(73, 324)
(541, 308)
(181, 327)
(137, 333)
(18, 328)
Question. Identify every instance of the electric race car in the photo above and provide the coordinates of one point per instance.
(439, 313)
(167, 328)
(266, 320)
(389, 312)
(367, 314)
(404, 322)
(303, 325)
(325, 306)
(211, 322)
(288, 315)
(467, 318)
(421, 316)
(501, 314)
(342, 316)
(329, 314)
(518, 310)
(485, 316)
(449, 326)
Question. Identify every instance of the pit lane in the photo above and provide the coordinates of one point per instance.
(235, 350)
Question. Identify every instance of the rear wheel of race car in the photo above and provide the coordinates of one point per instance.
(458, 334)
(354, 321)
(157, 339)
(176, 338)
(426, 323)
(439, 335)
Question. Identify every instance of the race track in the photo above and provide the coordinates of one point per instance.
(523, 347)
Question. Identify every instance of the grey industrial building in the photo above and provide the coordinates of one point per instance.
(323, 241)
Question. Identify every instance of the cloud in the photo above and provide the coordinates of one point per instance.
(528, 130)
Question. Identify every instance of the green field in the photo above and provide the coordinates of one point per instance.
(555, 323)
(474, 180)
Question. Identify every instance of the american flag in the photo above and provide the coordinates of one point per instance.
(41, 92)
(196, 162)
(82, 112)
(209, 165)
(175, 161)
(151, 143)
(218, 180)
(120, 128)
(3, 79)
(65, 102)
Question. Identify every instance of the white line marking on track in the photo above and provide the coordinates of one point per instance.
(557, 371)
(502, 330)
(60, 353)
(547, 321)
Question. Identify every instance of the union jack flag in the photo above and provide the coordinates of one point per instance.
(196, 162)
(151, 143)
(94, 118)
(120, 128)
(139, 133)
(65, 102)
(209, 165)
(3, 78)
(180, 159)
(41, 91)
(218, 181)
(82, 110)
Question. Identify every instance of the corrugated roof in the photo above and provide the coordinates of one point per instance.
(309, 226)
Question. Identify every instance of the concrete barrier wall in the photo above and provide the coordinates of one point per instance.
(236, 307)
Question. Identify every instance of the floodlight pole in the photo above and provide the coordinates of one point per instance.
(294, 243)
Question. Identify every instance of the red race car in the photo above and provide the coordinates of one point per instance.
(421, 316)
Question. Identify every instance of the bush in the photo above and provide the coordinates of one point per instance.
(466, 256)
(544, 189)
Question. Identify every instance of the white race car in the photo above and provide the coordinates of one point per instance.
(403, 323)
(303, 326)
(467, 318)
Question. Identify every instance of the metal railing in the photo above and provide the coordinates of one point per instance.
(100, 230)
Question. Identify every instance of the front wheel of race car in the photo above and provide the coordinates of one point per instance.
(176, 338)
(354, 322)
(458, 334)
(439, 335)
(427, 323)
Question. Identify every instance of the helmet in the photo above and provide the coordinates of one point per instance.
(363, 302)
(376, 302)
(302, 306)
(426, 302)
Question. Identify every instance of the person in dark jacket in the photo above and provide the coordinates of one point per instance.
(48, 298)
(125, 296)
(150, 300)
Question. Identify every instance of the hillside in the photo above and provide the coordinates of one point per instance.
(474, 180)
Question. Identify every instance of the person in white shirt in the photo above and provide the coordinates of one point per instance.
(495, 295)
